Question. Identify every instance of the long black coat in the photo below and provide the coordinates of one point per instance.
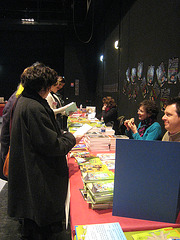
(38, 172)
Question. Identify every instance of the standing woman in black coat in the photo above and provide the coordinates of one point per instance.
(38, 171)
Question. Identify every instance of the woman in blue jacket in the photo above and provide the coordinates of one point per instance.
(148, 128)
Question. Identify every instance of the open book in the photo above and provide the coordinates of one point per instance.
(71, 107)
(82, 130)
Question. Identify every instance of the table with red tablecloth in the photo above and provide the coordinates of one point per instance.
(82, 214)
(1, 108)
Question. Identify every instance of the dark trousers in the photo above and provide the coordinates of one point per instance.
(31, 231)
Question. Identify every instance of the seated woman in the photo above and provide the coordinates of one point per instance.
(110, 114)
(148, 128)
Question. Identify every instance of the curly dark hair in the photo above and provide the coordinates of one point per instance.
(112, 103)
(176, 101)
(150, 107)
(39, 77)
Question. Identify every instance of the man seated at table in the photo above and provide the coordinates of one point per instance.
(171, 120)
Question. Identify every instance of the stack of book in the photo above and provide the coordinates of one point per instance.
(113, 140)
(98, 142)
(98, 183)
(100, 194)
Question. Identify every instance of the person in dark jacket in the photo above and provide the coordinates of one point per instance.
(5, 129)
(38, 171)
(110, 114)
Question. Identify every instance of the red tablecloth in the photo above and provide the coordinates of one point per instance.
(1, 108)
(81, 214)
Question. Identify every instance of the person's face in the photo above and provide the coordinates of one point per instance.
(54, 88)
(60, 85)
(171, 119)
(142, 113)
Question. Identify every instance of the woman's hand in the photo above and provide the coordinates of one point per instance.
(78, 138)
(126, 124)
(104, 107)
(132, 125)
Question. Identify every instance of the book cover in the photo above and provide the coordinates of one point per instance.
(106, 231)
(91, 160)
(97, 188)
(97, 176)
(78, 153)
(71, 107)
(80, 146)
(106, 156)
(93, 167)
(109, 163)
(159, 234)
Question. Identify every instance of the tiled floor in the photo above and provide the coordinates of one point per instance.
(2, 183)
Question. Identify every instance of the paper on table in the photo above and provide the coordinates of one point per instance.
(108, 231)
(82, 130)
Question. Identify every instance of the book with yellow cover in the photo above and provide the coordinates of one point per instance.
(91, 160)
(77, 153)
(92, 167)
(97, 176)
(159, 234)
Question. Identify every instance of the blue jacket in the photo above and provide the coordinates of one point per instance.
(152, 133)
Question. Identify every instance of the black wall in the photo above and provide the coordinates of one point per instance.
(59, 48)
(21, 47)
(148, 32)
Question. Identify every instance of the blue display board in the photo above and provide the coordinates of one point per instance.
(147, 180)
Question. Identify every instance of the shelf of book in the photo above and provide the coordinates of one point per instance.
(81, 213)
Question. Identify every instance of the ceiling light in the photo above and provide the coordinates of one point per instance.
(116, 44)
(27, 20)
(101, 58)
